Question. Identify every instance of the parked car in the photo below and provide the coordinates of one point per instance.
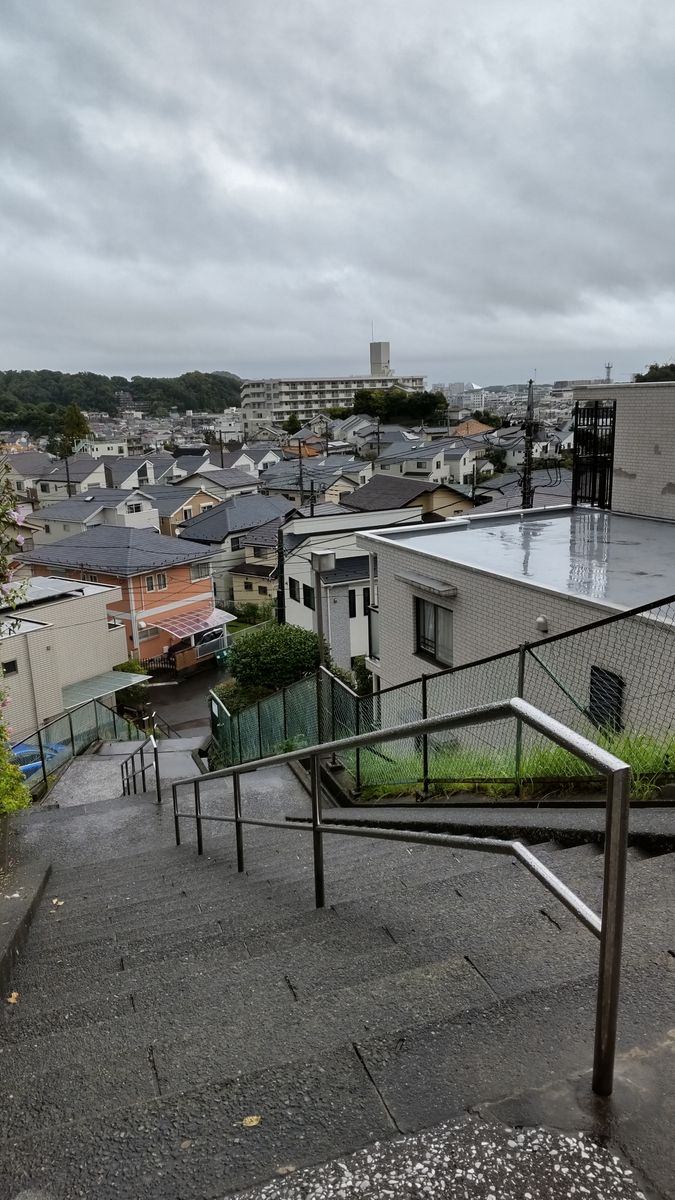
(29, 759)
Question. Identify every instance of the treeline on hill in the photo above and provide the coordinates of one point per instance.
(34, 400)
(657, 373)
(394, 405)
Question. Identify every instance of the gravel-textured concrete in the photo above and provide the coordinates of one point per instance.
(467, 1159)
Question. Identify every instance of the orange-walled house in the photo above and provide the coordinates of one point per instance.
(167, 600)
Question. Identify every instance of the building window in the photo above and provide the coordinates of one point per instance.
(248, 587)
(308, 596)
(120, 449)
(294, 589)
(205, 507)
(87, 577)
(187, 513)
(262, 590)
(352, 602)
(384, 466)
(366, 601)
(200, 571)
(10, 667)
(433, 632)
(235, 544)
(160, 579)
(133, 508)
(150, 631)
(48, 528)
(149, 583)
(66, 527)
(259, 551)
(44, 487)
(605, 707)
(420, 466)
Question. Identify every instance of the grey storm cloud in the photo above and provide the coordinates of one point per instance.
(248, 185)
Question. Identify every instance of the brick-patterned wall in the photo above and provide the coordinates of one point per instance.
(644, 446)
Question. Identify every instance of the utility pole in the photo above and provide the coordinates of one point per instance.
(322, 561)
(527, 493)
(378, 436)
(67, 476)
(222, 459)
(281, 577)
(302, 486)
(311, 497)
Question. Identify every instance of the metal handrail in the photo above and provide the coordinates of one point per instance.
(129, 776)
(608, 927)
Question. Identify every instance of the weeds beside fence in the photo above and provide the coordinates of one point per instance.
(612, 680)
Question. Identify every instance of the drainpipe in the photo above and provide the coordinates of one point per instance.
(134, 622)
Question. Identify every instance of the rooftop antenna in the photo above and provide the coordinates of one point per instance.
(608, 372)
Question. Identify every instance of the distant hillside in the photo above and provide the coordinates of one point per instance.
(33, 400)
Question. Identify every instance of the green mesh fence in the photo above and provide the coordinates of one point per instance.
(611, 681)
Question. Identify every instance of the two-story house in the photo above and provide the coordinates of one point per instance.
(222, 530)
(25, 469)
(167, 601)
(176, 503)
(102, 506)
(68, 477)
(254, 581)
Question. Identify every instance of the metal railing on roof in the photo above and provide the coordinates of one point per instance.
(608, 927)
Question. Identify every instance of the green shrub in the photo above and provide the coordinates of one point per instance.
(236, 697)
(14, 794)
(274, 656)
(363, 677)
(136, 695)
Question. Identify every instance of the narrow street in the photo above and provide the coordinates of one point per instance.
(185, 704)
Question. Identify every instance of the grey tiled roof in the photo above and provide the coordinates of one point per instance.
(32, 464)
(348, 569)
(80, 466)
(387, 491)
(117, 550)
(237, 513)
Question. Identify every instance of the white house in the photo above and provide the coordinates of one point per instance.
(102, 506)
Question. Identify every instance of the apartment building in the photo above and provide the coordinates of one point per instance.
(273, 401)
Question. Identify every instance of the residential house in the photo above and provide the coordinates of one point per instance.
(100, 447)
(450, 461)
(167, 601)
(25, 469)
(102, 506)
(176, 503)
(222, 482)
(69, 477)
(222, 530)
(345, 586)
(321, 478)
(59, 643)
(254, 581)
(436, 500)
(129, 472)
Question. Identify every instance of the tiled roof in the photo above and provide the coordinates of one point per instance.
(117, 550)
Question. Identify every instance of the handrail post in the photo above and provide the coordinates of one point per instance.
(158, 782)
(198, 817)
(176, 822)
(98, 738)
(124, 785)
(42, 758)
(611, 934)
(319, 708)
(317, 836)
(143, 780)
(133, 772)
(425, 741)
(72, 733)
(518, 767)
(332, 708)
(238, 715)
(238, 829)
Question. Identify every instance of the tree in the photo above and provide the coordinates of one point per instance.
(73, 429)
(656, 373)
(274, 656)
(134, 696)
(292, 425)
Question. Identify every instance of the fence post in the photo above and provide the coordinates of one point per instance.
(283, 709)
(96, 720)
(238, 828)
(317, 836)
(72, 734)
(425, 741)
(260, 745)
(238, 716)
(611, 934)
(42, 759)
(357, 764)
(522, 651)
(198, 817)
(319, 708)
(158, 781)
(332, 708)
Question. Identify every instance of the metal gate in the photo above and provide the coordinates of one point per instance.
(593, 454)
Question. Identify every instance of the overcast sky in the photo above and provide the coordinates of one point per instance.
(247, 184)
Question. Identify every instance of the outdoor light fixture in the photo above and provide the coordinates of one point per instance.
(542, 624)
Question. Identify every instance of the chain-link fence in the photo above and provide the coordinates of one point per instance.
(612, 681)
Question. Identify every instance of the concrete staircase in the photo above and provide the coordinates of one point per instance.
(184, 1031)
